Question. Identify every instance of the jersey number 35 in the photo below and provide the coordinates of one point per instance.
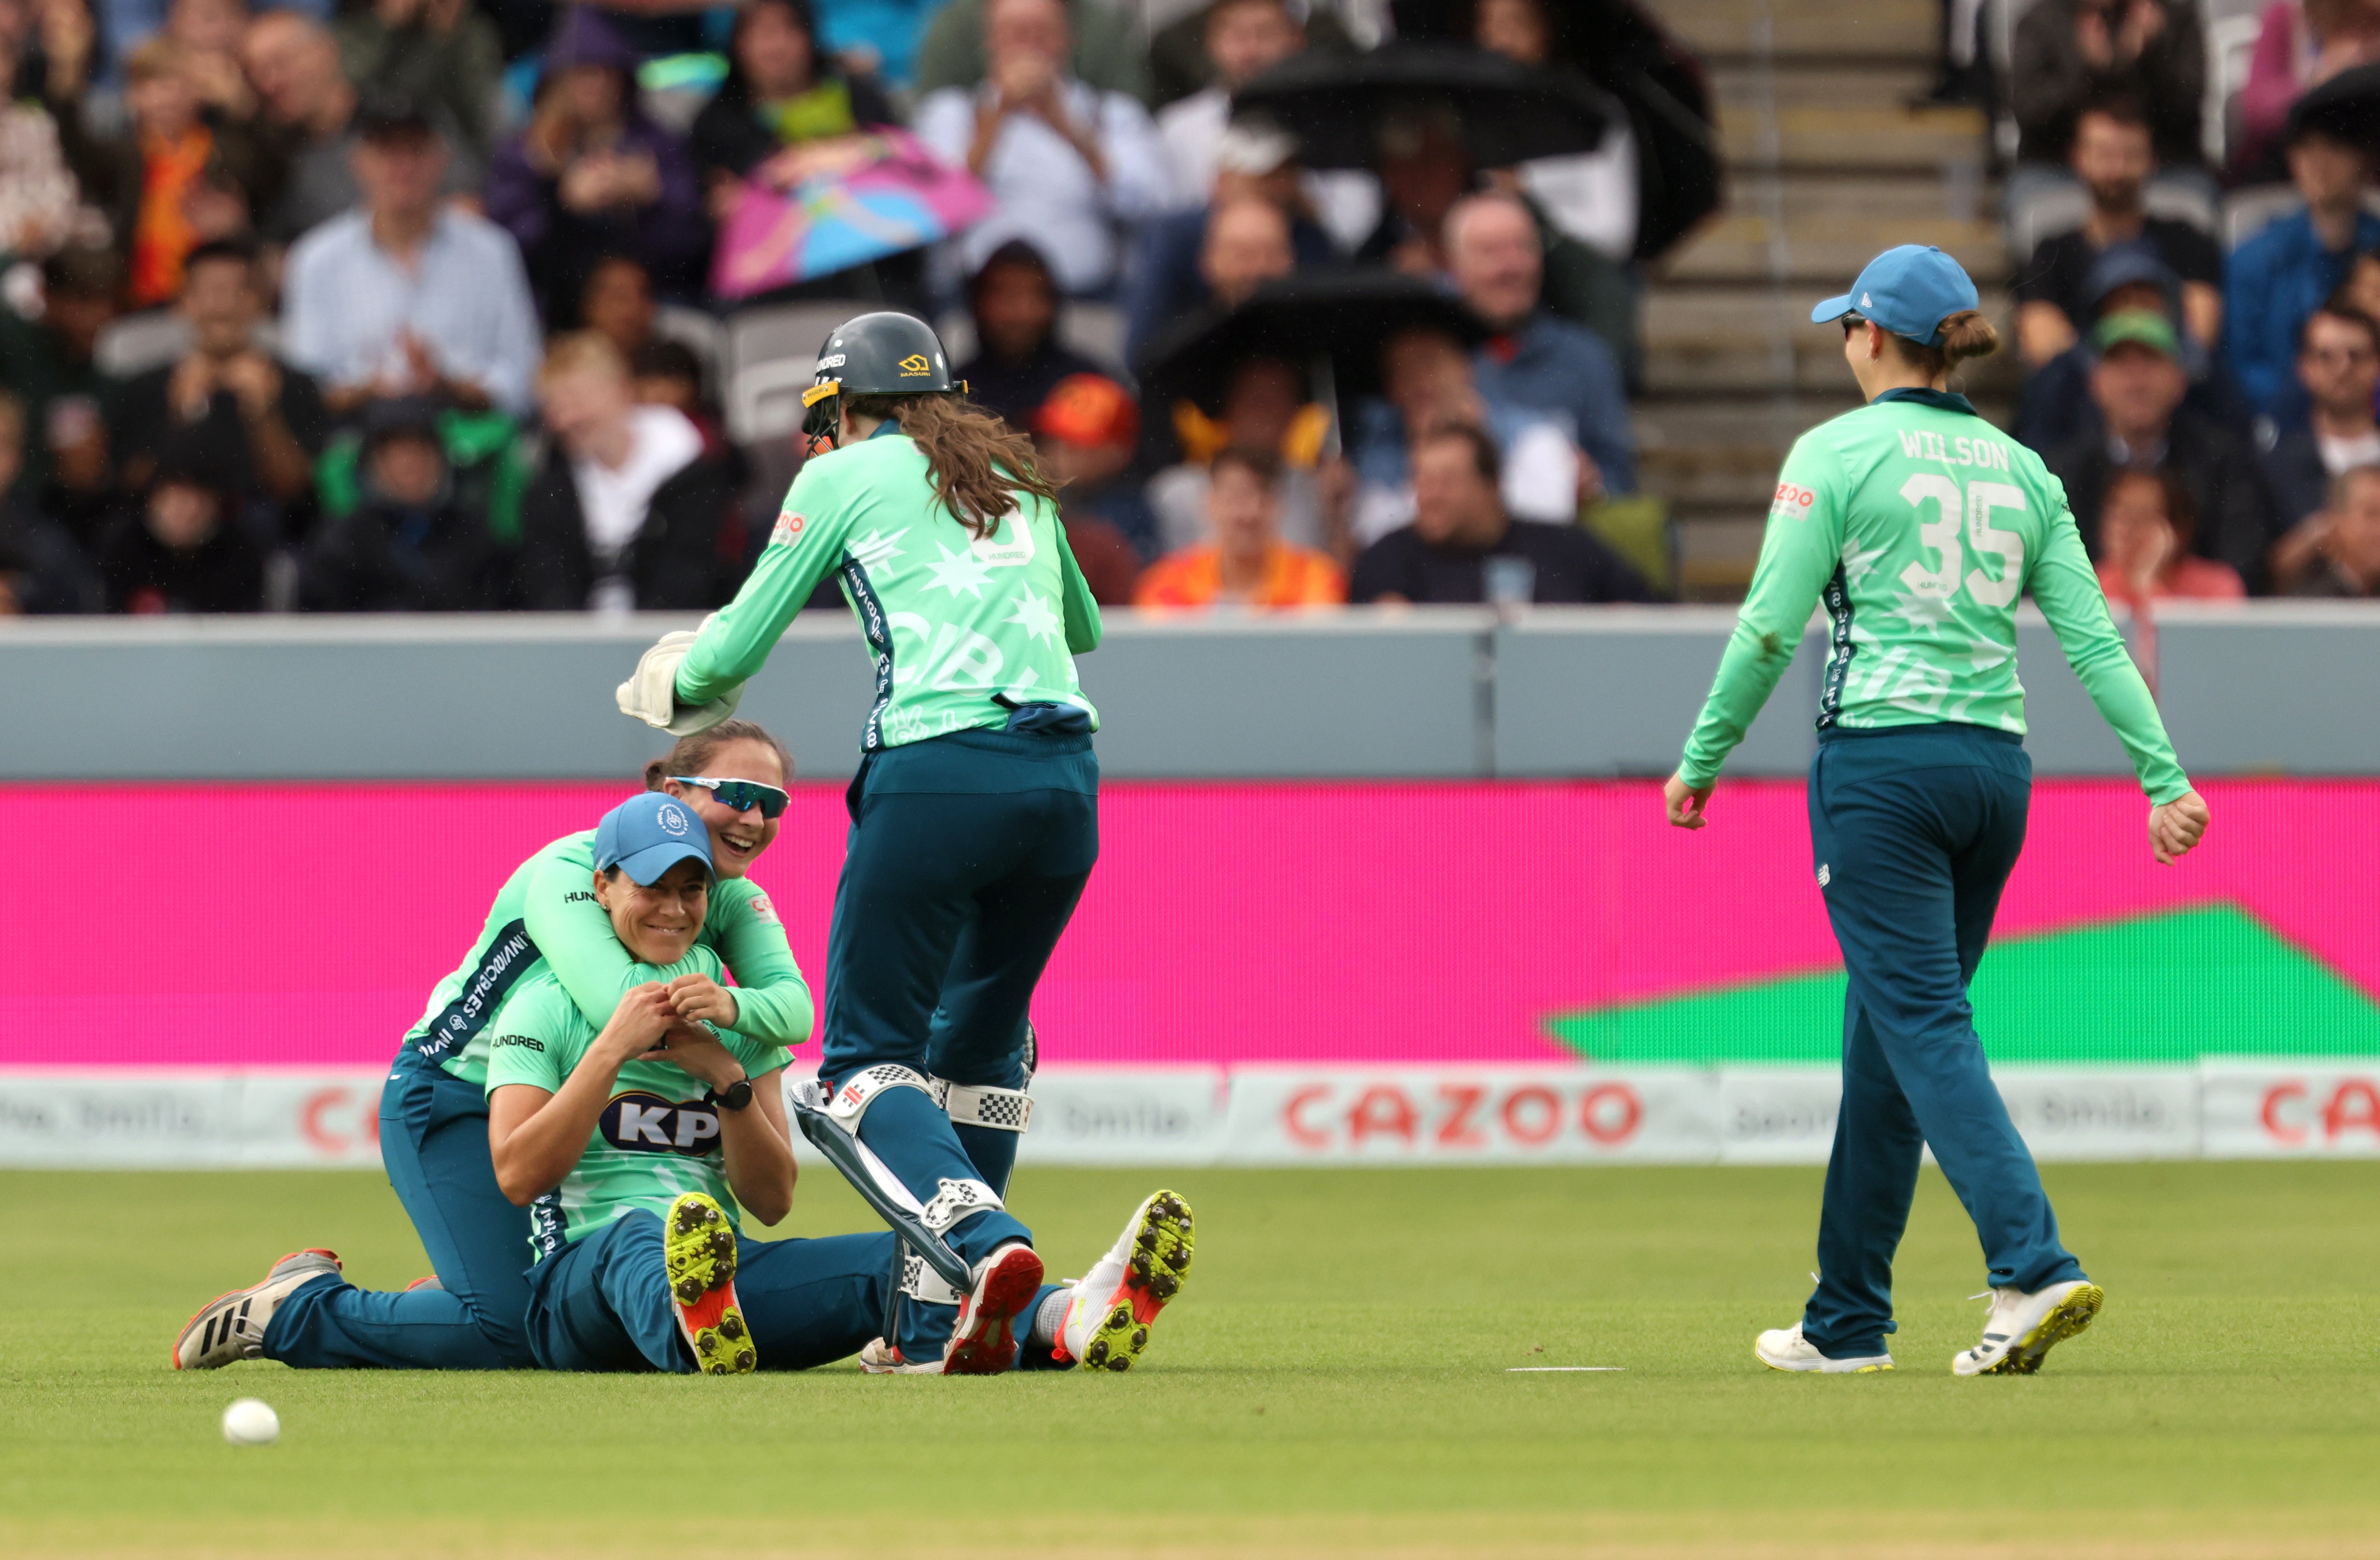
(1970, 512)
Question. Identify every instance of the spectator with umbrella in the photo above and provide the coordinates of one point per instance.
(1535, 361)
(1426, 119)
(1265, 407)
(1243, 242)
(1242, 39)
(785, 111)
(1277, 371)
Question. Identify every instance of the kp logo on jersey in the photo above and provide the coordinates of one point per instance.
(644, 1123)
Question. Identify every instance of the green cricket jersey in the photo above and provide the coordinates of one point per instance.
(545, 916)
(953, 624)
(655, 1140)
(1920, 524)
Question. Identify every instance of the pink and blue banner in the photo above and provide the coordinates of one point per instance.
(1368, 924)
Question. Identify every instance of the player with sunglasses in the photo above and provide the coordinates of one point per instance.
(433, 1116)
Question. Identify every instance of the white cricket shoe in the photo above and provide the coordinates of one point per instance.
(2021, 1327)
(1784, 1348)
(878, 1357)
(1116, 1303)
(231, 1327)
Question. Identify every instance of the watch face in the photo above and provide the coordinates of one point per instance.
(738, 1094)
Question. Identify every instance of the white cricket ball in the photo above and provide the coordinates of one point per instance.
(252, 1422)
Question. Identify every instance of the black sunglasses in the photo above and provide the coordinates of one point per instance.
(1850, 324)
(741, 795)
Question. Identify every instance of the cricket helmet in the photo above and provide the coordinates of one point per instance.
(881, 354)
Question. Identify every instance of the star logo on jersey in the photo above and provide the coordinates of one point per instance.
(874, 550)
(1034, 616)
(960, 571)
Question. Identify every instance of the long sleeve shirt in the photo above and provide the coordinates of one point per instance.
(1921, 526)
(545, 919)
(1049, 195)
(962, 630)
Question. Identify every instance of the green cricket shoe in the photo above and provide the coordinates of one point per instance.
(2021, 1328)
(699, 1247)
(1117, 1303)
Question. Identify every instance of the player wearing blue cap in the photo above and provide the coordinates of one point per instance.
(638, 1146)
(433, 1116)
(975, 824)
(1919, 525)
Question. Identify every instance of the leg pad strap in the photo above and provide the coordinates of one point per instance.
(851, 1101)
(923, 1285)
(959, 1199)
(971, 1104)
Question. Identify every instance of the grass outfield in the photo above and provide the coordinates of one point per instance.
(1337, 1380)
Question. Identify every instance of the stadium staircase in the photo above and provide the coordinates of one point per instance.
(1826, 165)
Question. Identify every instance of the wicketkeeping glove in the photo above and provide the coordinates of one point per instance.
(651, 694)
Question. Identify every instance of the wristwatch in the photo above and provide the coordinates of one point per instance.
(734, 1097)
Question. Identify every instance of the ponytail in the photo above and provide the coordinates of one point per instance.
(1964, 335)
(691, 754)
(979, 464)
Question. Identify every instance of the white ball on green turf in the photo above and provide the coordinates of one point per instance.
(252, 1422)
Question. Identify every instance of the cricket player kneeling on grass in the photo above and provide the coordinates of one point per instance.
(639, 1148)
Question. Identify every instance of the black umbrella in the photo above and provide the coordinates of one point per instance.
(1623, 49)
(1332, 325)
(2346, 107)
(1333, 103)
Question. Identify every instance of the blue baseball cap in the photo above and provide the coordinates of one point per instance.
(1910, 290)
(647, 834)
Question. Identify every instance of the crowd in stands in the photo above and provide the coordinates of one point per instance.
(2202, 352)
(415, 305)
(380, 305)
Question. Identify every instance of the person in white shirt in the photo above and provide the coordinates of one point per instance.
(628, 512)
(408, 294)
(1066, 161)
(1244, 38)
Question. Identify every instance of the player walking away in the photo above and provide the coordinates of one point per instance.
(1919, 525)
(975, 814)
(434, 1113)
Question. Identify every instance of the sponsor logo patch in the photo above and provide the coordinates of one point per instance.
(1792, 502)
(787, 529)
(762, 910)
(914, 365)
(648, 1124)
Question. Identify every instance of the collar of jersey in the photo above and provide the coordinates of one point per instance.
(890, 426)
(1948, 400)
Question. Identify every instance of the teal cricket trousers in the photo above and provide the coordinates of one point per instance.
(967, 853)
(602, 1302)
(1914, 831)
(433, 1140)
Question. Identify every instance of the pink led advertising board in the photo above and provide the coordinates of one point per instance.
(1372, 923)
